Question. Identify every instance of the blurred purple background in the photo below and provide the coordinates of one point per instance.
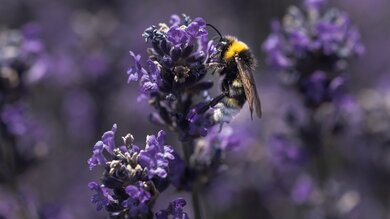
(83, 92)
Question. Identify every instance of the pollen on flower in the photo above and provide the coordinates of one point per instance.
(130, 170)
(178, 62)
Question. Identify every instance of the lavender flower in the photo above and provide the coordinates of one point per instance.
(107, 143)
(14, 118)
(12, 66)
(102, 197)
(312, 50)
(173, 82)
(210, 151)
(206, 161)
(283, 152)
(302, 189)
(175, 209)
(176, 67)
(156, 156)
(133, 177)
(137, 201)
(97, 157)
(21, 137)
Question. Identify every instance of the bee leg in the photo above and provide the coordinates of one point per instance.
(215, 67)
(210, 104)
(220, 127)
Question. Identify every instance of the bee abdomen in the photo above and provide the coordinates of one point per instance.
(231, 102)
(225, 110)
(236, 96)
(237, 83)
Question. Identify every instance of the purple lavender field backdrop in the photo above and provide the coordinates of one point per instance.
(115, 109)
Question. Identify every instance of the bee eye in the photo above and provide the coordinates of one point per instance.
(221, 45)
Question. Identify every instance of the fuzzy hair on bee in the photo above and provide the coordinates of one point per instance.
(235, 63)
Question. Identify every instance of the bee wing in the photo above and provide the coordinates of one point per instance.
(250, 90)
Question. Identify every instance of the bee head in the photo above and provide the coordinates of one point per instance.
(222, 44)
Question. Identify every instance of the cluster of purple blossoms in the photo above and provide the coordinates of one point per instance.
(133, 177)
(175, 75)
(174, 84)
(175, 209)
(312, 47)
(210, 152)
(21, 137)
(19, 54)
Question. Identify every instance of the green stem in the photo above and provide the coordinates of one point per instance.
(196, 203)
(321, 161)
(188, 148)
(316, 139)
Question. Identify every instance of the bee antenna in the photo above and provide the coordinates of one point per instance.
(216, 30)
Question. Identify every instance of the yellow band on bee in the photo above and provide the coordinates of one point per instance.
(234, 48)
(237, 83)
(231, 102)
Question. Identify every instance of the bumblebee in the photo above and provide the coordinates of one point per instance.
(235, 63)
